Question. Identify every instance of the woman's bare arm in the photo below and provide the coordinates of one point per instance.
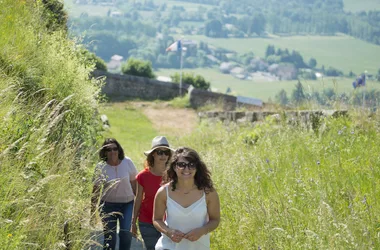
(136, 207)
(158, 217)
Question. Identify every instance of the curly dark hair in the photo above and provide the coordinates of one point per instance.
(202, 177)
(103, 152)
(149, 162)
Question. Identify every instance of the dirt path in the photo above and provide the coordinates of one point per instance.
(168, 120)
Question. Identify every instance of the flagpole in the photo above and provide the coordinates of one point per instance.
(180, 75)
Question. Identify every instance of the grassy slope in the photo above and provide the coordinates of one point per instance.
(48, 132)
(293, 189)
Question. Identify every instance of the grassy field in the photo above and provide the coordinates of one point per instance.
(264, 90)
(130, 127)
(292, 188)
(362, 5)
(342, 52)
(75, 10)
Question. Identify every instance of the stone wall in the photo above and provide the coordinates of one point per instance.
(199, 98)
(119, 87)
(303, 116)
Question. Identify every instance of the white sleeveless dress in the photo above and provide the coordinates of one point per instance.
(185, 220)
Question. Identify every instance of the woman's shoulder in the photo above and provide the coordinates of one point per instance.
(211, 194)
(100, 165)
(144, 173)
(162, 190)
(126, 159)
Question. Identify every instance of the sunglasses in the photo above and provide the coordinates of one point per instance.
(111, 149)
(189, 165)
(162, 152)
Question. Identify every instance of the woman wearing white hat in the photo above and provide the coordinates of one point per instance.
(148, 182)
(188, 203)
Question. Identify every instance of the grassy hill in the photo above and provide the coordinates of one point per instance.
(48, 132)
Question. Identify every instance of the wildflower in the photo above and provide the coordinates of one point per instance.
(364, 201)
(352, 132)
(9, 235)
(318, 162)
(267, 160)
(340, 132)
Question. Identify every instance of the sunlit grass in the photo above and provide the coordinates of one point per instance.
(293, 188)
(131, 128)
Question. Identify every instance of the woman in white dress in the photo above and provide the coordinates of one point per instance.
(186, 208)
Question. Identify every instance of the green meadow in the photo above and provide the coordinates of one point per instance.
(341, 52)
(265, 90)
(362, 5)
(130, 127)
(75, 10)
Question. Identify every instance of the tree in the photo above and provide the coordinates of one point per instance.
(270, 51)
(189, 78)
(91, 58)
(282, 97)
(55, 15)
(214, 28)
(298, 96)
(312, 63)
(333, 72)
(137, 67)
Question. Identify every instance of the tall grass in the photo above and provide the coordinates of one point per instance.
(48, 132)
(294, 188)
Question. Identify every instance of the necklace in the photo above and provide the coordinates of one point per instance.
(188, 191)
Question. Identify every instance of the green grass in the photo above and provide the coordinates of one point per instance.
(188, 6)
(48, 132)
(131, 128)
(265, 90)
(362, 5)
(190, 24)
(341, 52)
(293, 188)
(75, 10)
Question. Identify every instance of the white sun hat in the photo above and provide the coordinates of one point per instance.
(158, 142)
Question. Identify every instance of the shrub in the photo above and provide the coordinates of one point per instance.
(138, 67)
(197, 81)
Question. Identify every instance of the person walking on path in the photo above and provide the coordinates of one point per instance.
(115, 174)
(189, 202)
(148, 182)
